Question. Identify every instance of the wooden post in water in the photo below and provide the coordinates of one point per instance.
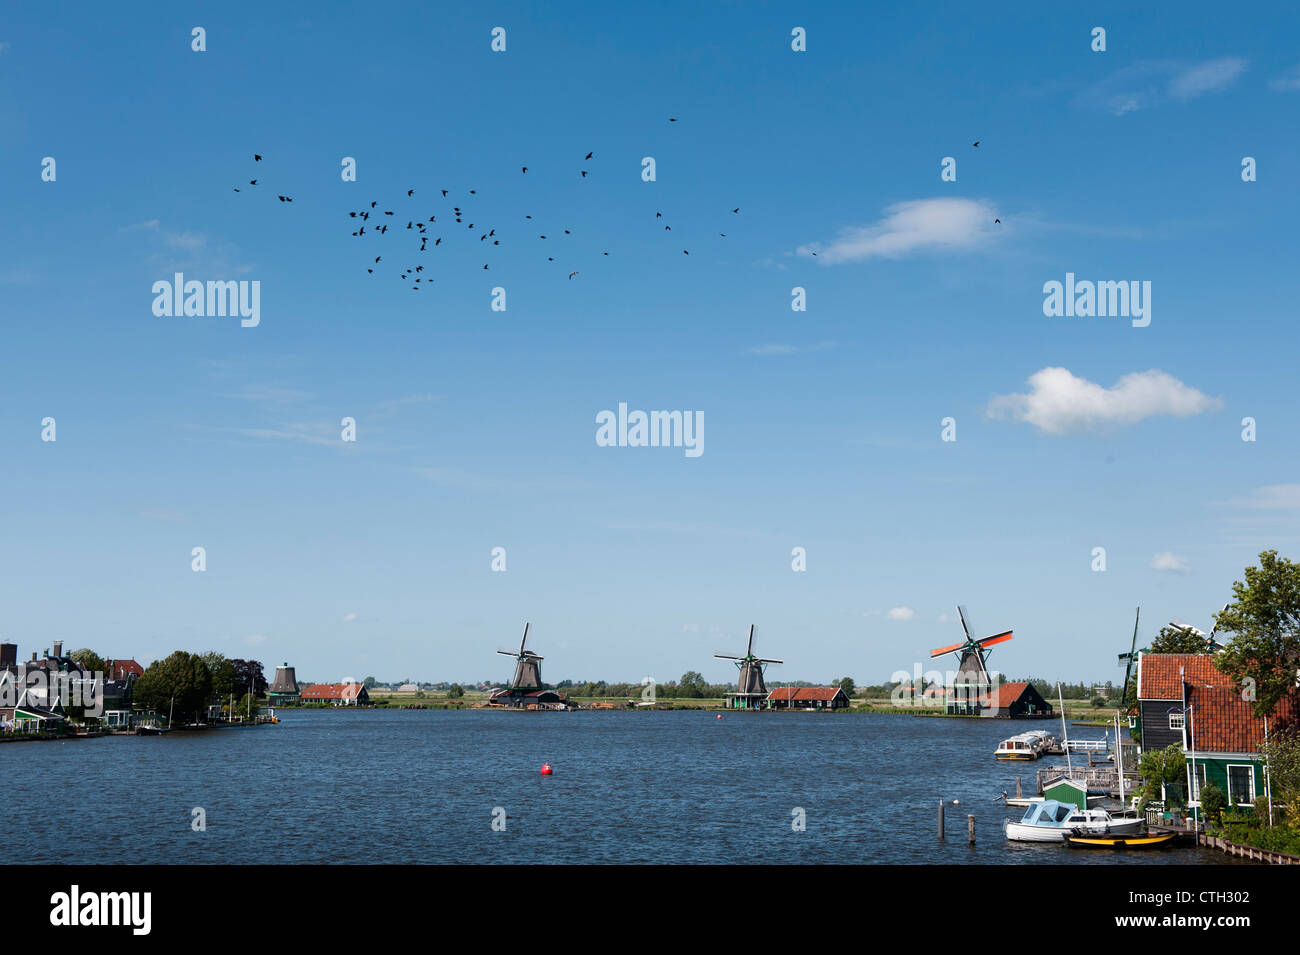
(970, 828)
(941, 820)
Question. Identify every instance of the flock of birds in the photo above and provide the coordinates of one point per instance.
(426, 229)
(432, 227)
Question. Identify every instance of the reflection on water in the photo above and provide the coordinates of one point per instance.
(375, 786)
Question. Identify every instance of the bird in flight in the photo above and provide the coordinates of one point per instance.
(523, 168)
(589, 155)
(285, 199)
(976, 144)
(410, 192)
(737, 209)
(997, 221)
(256, 158)
(572, 274)
(671, 119)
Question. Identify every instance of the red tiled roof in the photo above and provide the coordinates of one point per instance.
(118, 669)
(812, 693)
(1159, 677)
(331, 691)
(1008, 693)
(1222, 722)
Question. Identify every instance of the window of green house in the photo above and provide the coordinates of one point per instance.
(1241, 785)
(1198, 780)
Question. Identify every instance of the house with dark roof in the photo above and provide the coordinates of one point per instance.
(1019, 700)
(807, 698)
(1162, 704)
(1184, 699)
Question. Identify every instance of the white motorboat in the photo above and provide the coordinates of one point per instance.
(1026, 746)
(1052, 821)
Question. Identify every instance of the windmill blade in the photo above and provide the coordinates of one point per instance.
(525, 639)
(961, 615)
(942, 650)
(749, 648)
(509, 653)
(766, 660)
(727, 656)
(997, 638)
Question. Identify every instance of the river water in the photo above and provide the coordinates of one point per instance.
(411, 786)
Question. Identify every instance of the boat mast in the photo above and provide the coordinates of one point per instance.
(1065, 735)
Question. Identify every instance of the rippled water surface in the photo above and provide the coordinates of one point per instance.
(376, 786)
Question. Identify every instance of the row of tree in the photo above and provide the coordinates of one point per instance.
(186, 683)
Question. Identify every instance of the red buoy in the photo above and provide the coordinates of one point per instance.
(719, 716)
(546, 769)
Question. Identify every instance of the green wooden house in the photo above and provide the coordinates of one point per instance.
(1223, 741)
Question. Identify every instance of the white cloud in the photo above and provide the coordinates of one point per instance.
(1170, 563)
(349, 617)
(1059, 402)
(916, 225)
(902, 613)
(1206, 77)
(1149, 84)
(1273, 497)
(1288, 82)
(790, 349)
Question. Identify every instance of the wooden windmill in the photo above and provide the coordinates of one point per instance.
(528, 670)
(972, 681)
(751, 691)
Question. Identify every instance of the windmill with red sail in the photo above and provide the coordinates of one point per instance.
(972, 683)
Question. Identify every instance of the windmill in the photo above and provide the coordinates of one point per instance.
(751, 691)
(972, 670)
(528, 672)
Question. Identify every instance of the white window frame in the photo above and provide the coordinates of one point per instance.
(1181, 717)
(1228, 778)
(1198, 778)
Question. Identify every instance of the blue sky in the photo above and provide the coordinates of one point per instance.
(476, 429)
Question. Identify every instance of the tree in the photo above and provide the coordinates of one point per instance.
(1173, 639)
(1161, 770)
(182, 677)
(847, 685)
(369, 682)
(1282, 751)
(1265, 622)
(89, 659)
(225, 681)
(249, 673)
(456, 691)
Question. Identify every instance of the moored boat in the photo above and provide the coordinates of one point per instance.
(1025, 746)
(1053, 821)
(1121, 842)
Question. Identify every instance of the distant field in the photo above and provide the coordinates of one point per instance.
(1074, 709)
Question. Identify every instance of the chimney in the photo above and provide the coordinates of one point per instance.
(58, 648)
(33, 656)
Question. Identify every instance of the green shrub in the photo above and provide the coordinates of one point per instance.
(1213, 802)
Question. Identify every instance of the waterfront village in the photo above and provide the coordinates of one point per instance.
(1206, 738)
